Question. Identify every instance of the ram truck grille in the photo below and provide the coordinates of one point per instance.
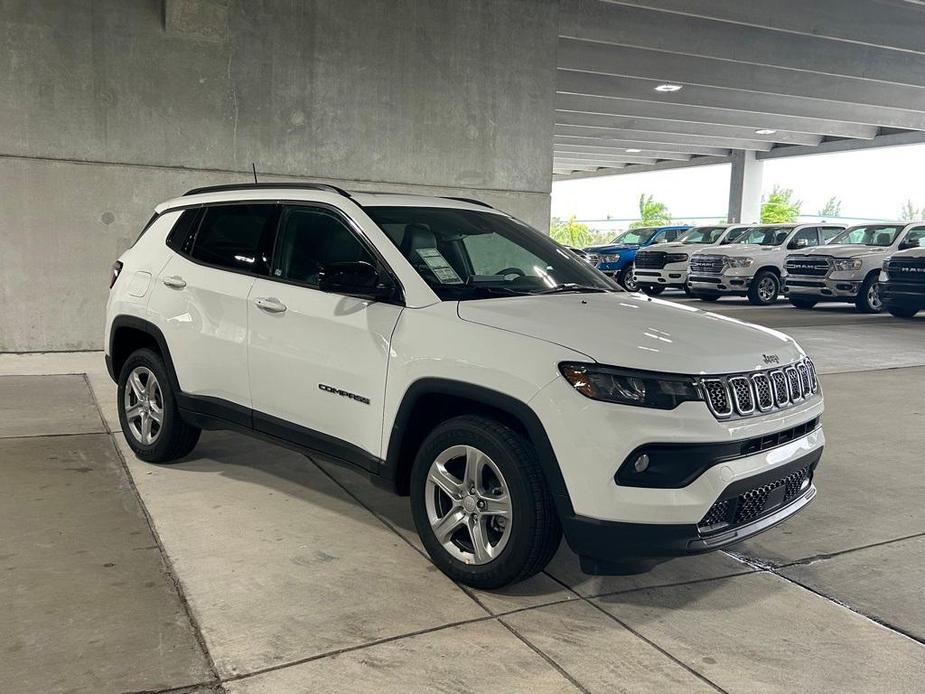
(759, 392)
(807, 266)
(650, 260)
(707, 264)
(910, 270)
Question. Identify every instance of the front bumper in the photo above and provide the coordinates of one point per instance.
(765, 500)
(902, 295)
(831, 287)
(669, 276)
(731, 282)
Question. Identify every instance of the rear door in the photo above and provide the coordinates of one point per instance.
(318, 360)
(200, 298)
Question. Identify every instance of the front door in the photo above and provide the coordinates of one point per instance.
(318, 360)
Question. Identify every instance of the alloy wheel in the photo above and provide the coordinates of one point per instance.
(629, 281)
(468, 504)
(873, 297)
(144, 405)
(767, 290)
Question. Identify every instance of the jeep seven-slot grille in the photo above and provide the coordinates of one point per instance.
(746, 394)
(650, 260)
(753, 504)
(808, 265)
(707, 264)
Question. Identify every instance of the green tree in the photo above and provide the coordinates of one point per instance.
(779, 207)
(832, 208)
(571, 232)
(910, 213)
(651, 213)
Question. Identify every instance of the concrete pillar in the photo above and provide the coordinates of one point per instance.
(745, 187)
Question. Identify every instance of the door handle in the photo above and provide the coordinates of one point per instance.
(270, 304)
(175, 282)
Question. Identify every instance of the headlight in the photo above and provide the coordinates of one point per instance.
(847, 264)
(640, 388)
(676, 257)
(610, 258)
(741, 261)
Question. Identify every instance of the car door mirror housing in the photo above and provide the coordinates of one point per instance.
(359, 278)
(798, 243)
(909, 243)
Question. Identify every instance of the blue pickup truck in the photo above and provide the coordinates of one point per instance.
(616, 258)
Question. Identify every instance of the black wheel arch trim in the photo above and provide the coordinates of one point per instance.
(145, 326)
(508, 404)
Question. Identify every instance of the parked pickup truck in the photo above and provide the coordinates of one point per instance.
(752, 266)
(903, 283)
(848, 267)
(616, 258)
(664, 265)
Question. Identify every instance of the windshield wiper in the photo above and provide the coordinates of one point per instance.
(571, 287)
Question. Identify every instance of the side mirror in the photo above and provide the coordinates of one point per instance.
(909, 243)
(798, 243)
(359, 279)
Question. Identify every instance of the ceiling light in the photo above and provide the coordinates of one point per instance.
(765, 131)
(634, 151)
(668, 87)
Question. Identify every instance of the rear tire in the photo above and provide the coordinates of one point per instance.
(801, 303)
(652, 289)
(147, 398)
(899, 312)
(450, 523)
(868, 300)
(764, 289)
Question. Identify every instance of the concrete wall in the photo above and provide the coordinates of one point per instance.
(110, 106)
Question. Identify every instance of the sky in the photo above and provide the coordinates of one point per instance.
(872, 183)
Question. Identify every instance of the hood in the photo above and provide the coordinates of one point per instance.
(734, 249)
(637, 332)
(612, 248)
(910, 253)
(844, 251)
(672, 247)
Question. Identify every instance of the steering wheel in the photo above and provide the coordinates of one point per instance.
(511, 271)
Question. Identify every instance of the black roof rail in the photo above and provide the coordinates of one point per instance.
(253, 186)
(469, 200)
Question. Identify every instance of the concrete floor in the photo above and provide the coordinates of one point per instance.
(248, 568)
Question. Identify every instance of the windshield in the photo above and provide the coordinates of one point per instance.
(733, 236)
(869, 235)
(635, 236)
(765, 236)
(465, 254)
(703, 235)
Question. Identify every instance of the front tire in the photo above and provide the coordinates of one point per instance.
(710, 298)
(801, 303)
(481, 504)
(868, 300)
(764, 289)
(652, 289)
(628, 280)
(148, 410)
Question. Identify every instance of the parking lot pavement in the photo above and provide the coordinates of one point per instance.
(304, 577)
(86, 600)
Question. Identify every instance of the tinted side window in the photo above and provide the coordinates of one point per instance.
(829, 233)
(182, 228)
(237, 237)
(805, 238)
(312, 238)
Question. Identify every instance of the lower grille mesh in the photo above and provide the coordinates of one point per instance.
(752, 504)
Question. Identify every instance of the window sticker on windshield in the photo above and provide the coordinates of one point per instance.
(439, 265)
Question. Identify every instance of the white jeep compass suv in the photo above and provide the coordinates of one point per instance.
(453, 353)
(753, 264)
(848, 267)
(665, 265)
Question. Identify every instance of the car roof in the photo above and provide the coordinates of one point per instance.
(318, 192)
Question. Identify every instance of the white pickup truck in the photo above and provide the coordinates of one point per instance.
(665, 265)
(848, 268)
(752, 266)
